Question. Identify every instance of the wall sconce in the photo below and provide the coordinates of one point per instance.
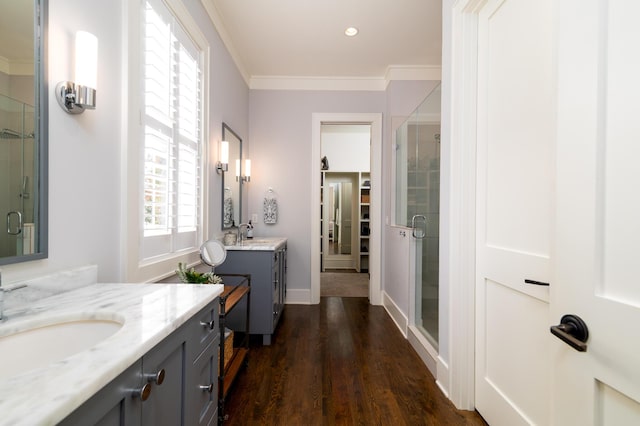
(76, 96)
(223, 164)
(247, 171)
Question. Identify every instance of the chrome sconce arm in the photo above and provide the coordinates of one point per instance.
(74, 98)
(221, 167)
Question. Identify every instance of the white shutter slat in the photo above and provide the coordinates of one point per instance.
(172, 108)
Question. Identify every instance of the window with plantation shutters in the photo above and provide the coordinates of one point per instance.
(172, 122)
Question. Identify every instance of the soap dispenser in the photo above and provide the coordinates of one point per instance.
(249, 230)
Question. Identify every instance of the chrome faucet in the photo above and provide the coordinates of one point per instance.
(4, 290)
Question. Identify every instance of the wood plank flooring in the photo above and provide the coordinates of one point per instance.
(344, 284)
(342, 362)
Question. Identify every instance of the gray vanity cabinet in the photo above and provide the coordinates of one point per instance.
(268, 270)
(162, 369)
(181, 377)
(114, 405)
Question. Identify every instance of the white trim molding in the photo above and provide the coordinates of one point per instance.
(375, 248)
(297, 296)
(443, 376)
(459, 128)
(16, 67)
(427, 353)
(396, 314)
(405, 72)
(267, 82)
(215, 17)
(394, 72)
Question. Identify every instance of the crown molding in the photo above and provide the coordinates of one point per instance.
(16, 67)
(316, 83)
(393, 73)
(216, 19)
(4, 65)
(408, 72)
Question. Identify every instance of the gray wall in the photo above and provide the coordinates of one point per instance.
(280, 149)
(86, 191)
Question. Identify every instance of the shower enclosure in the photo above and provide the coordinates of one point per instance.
(18, 172)
(417, 202)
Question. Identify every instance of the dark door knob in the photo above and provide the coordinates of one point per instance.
(573, 331)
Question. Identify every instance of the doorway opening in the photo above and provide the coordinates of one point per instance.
(343, 283)
(354, 220)
(344, 198)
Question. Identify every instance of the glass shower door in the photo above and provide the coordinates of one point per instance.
(18, 158)
(418, 205)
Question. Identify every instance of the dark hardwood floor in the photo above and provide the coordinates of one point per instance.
(343, 362)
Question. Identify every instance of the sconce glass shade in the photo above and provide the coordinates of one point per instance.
(224, 152)
(246, 172)
(86, 60)
(223, 163)
(76, 96)
(247, 168)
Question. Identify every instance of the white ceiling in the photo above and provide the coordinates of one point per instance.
(286, 40)
(304, 39)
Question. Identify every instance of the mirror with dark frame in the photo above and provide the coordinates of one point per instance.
(23, 131)
(231, 185)
(340, 217)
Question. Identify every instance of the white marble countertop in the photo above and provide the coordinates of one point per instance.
(259, 244)
(150, 312)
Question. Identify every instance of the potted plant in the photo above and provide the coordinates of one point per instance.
(194, 277)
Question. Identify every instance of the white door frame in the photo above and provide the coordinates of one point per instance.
(375, 258)
(459, 86)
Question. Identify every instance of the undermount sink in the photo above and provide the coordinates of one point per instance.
(52, 340)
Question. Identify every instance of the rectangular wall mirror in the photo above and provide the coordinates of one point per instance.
(23, 131)
(231, 185)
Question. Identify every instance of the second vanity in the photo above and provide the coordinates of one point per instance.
(266, 260)
(158, 357)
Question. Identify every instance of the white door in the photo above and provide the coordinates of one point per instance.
(514, 211)
(598, 212)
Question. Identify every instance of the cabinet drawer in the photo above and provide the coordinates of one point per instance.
(203, 406)
(205, 328)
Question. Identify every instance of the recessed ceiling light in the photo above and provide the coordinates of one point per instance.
(351, 31)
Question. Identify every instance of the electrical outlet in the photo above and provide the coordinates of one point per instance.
(254, 218)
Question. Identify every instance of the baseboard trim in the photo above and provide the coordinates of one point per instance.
(443, 377)
(298, 297)
(426, 352)
(395, 313)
